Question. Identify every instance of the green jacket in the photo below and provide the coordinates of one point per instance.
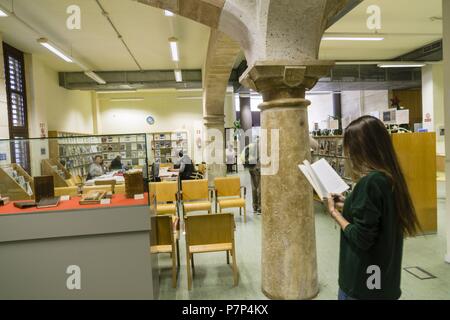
(373, 238)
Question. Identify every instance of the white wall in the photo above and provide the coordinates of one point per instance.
(358, 103)
(169, 111)
(61, 109)
(320, 109)
(446, 28)
(53, 107)
(354, 104)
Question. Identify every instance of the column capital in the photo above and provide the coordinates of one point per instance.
(284, 82)
(212, 120)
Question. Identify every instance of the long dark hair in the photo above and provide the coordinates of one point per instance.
(369, 147)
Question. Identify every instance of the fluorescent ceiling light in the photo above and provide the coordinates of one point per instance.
(174, 49)
(95, 77)
(328, 38)
(44, 42)
(168, 13)
(178, 76)
(126, 99)
(401, 65)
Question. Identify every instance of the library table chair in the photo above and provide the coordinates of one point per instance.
(228, 194)
(166, 197)
(167, 241)
(210, 233)
(195, 196)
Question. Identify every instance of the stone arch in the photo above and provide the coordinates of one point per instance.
(206, 12)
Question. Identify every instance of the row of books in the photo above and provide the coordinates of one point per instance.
(68, 151)
(330, 147)
(170, 136)
(102, 139)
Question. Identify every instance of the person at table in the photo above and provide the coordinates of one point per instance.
(116, 164)
(96, 168)
(186, 166)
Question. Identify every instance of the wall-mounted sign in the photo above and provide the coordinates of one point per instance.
(427, 118)
(3, 156)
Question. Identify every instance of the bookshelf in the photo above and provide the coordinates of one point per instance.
(16, 183)
(166, 145)
(61, 176)
(331, 149)
(77, 151)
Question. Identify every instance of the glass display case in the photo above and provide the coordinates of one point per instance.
(73, 172)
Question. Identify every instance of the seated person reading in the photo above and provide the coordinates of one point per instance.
(96, 168)
(116, 164)
(186, 166)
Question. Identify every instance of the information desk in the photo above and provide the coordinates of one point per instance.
(78, 251)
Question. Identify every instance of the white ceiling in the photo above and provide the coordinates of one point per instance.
(405, 25)
(145, 29)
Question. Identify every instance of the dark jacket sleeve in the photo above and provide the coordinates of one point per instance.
(366, 211)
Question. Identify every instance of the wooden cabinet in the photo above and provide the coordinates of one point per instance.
(417, 156)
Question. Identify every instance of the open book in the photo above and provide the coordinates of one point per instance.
(323, 178)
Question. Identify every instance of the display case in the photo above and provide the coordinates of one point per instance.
(51, 220)
(70, 185)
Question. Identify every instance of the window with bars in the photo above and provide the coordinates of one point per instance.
(17, 105)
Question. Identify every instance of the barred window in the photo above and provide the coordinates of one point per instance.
(17, 105)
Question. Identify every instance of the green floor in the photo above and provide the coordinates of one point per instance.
(213, 278)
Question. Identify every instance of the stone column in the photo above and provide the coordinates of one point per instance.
(289, 266)
(214, 146)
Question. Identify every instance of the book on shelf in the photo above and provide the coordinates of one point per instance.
(323, 178)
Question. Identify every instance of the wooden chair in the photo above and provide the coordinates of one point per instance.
(106, 188)
(210, 233)
(167, 241)
(66, 191)
(166, 194)
(230, 188)
(195, 196)
(111, 182)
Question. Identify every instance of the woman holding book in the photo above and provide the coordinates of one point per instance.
(375, 217)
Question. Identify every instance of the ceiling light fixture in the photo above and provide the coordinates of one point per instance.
(95, 77)
(178, 76)
(126, 99)
(174, 49)
(168, 13)
(401, 65)
(45, 43)
(328, 38)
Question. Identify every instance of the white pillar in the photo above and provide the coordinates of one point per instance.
(433, 102)
(446, 28)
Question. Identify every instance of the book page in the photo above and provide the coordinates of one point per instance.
(313, 179)
(329, 178)
(305, 172)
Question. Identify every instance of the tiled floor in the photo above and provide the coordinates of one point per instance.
(213, 278)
